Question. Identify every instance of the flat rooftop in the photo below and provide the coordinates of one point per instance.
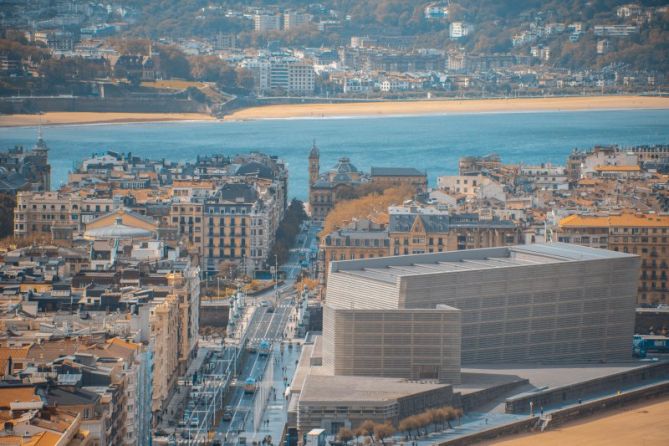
(390, 269)
(328, 389)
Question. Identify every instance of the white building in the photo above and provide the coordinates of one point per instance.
(546, 177)
(436, 11)
(287, 75)
(301, 78)
(457, 30)
(295, 19)
(616, 30)
(263, 22)
(389, 85)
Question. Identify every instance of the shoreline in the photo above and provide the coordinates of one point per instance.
(93, 118)
(353, 110)
(437, 107)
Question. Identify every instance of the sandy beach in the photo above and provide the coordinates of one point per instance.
(398, 108)
(643, 424)
(429, 107)
(63, 118)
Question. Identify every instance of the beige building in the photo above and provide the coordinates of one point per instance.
(416, 230)
(164, 323)
(388, 177)
(58, 214)
(362, 239)
(646, 235)
(530, 303)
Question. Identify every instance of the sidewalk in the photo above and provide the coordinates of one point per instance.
(277, 409)
(177, 399)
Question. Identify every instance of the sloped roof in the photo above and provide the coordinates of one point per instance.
(255, 168)
(233, 191)
(396, 172)
(625, 219)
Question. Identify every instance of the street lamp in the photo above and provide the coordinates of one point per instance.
(276, 279)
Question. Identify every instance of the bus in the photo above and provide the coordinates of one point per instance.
(643, 344)
(250, 385)
(264, 348)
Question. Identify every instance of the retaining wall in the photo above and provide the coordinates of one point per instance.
(574, 392)
(104, 105)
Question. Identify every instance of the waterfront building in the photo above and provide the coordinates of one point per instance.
(526, 303)
(388, 177)
(472, 165)
(645, 235)
(402, 327)
(328, 188)
(25, 170)
(344, 180)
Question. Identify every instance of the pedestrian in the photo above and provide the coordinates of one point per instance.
(541, 410)
(531, 408)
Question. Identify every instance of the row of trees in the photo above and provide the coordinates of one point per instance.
(174, 63)
(415, 426)
(369, 430)
(7, 204)
(432, 419)
(373, 206)
(288, 230)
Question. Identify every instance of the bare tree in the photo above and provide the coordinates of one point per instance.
(345, 434)
(383, 431)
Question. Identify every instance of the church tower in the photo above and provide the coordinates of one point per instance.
(41, 161)
(314, 164)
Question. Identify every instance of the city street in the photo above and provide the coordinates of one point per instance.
(274, 321)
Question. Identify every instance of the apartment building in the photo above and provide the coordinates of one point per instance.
(467, 185)
(361, 239)
(290, 76)
(295, 19)
(615, 30)
(418, 230)
(237, 223)
(471, 165)
(645, 235)
(266, 21)
(301, 78)
(458, 30)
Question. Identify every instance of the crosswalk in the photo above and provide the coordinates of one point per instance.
(268, 339)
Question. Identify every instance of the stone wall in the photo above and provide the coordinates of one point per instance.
(574, 392)
(105, 105)
(559, 417)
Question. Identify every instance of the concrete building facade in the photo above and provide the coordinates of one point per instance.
(554, 303)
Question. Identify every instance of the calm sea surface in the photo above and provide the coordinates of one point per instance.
(431, 143)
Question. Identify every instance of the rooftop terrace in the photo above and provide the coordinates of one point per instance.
(390, 269)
